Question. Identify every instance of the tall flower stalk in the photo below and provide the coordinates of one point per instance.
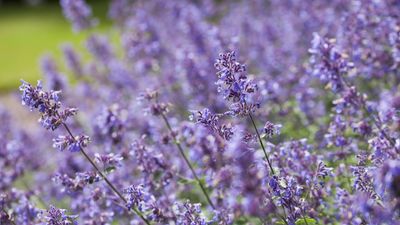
(160, 109)
(235, 86)
(182, 152)
(262, 144)
(49, 105)
(241, 92)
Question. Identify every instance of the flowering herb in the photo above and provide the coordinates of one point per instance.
(328, 72)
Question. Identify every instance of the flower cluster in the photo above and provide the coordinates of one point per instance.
(77, 183)
(135, 196)
(109, 161)
(271, 129)
(210, 120)
(234, 84)
(190, 214)
(212, 150)
(72, 144)
(47, 103)
(329, 64)
(56, 216)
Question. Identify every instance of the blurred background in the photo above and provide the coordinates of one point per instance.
(30, 29)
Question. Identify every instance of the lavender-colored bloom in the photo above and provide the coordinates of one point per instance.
(394, 38)
(109, 161)
(73, 60)
(120, 75)
(140, 199)
(329, 64)
(55, 216)
(288, 193)
(47, 103)
(389, 178)
(211, 121)
(135, 196)
(271, 129)
(100, 48)
(78, 13)
(323, 171)
(120, 10)
(156, 107)
(234, 84)
(150, 163)
(54, 79)
(189, 213)
(26, 210)
(222, 217)
(77, 183)
(170, 46)
(207, 118)
(363, 179)
(71, 144)
(110, 123)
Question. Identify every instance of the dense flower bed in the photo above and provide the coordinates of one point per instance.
(213, 112)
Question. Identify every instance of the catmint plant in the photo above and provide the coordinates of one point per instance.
(49, 106)
(170, 128)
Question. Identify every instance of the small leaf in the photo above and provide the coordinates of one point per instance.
(109, 169)
(183, 180)
(302, 221)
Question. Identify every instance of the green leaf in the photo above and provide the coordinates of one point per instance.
(302, 221)
(109, 169)
(183, 180)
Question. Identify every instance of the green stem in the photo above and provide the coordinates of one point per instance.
(113, 188)
(267, 158)
(304, 218)
(181, 151)
(262, 144)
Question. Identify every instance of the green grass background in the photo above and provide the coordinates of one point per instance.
(29, 32)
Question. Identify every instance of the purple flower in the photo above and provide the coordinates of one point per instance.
(110, 123)
(234, 84)
(54, 79)
(135, 196)
(389, 178)
(288, 192)
(110, 161)
(100, 48)
(78, 13)
(189, 213)
(73, 60)
(55, 216)
(47, 103)
(323, 171)
(77, 183)
(328, 63)
(211, 121)
(71, 144)
(363, 179)
(271, 129)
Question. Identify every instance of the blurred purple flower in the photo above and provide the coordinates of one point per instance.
(71, 144)
(78, 13)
